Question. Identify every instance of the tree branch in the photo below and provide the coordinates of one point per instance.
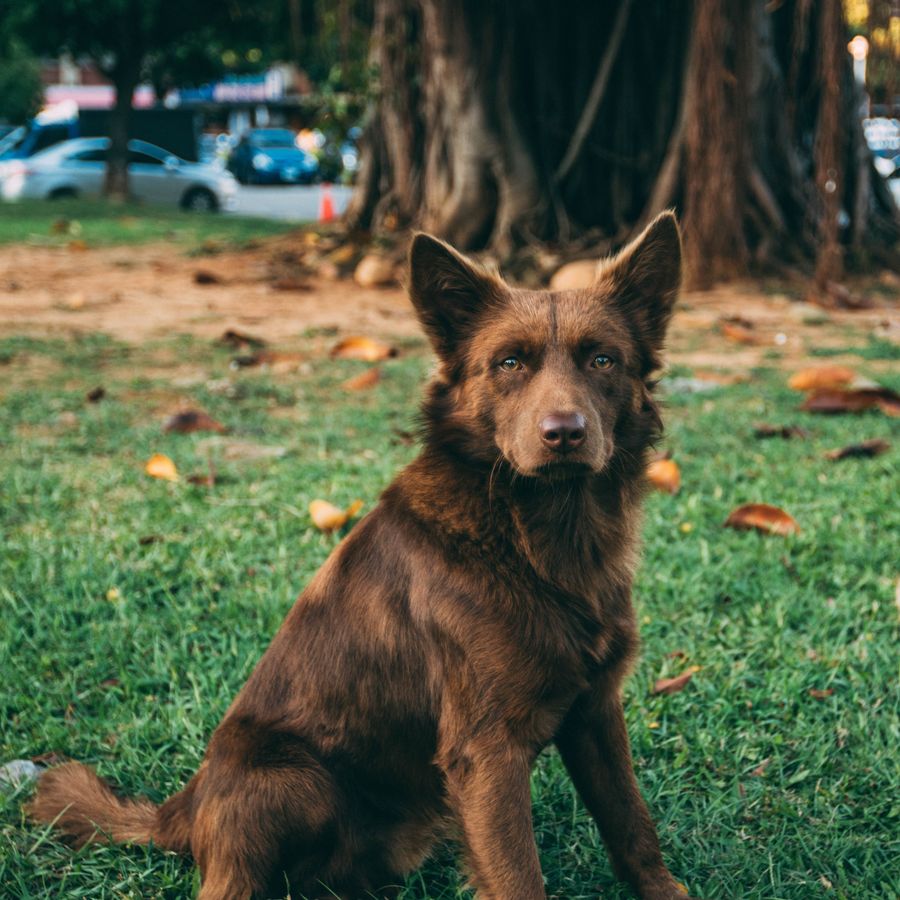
(595, 98)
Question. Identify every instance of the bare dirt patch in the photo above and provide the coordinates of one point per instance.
(137, 294)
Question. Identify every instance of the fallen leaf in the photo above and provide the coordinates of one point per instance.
(821, 378)
(676, 684)
(761, 768)
(664, 475)
(833, 402)
(365, 380)
(276, 360)
(189, 420)
(762, 517)
(738, 333)
(763, 430)
(290, 284)
(364, 348)
(240, 339)
(742, 321)
(817, 694)
(327, 517)
(202, 480)
(871, 447)
(160, 466)
(96, 394)
(204, 276)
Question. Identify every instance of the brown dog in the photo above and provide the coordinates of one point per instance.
(481, 611)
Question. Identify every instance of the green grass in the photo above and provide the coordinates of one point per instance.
(57, 222)
(133, 610)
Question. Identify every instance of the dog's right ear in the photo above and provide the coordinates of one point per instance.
(448, 292)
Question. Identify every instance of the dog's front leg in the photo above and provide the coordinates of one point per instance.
(594, 746)
(490, 791)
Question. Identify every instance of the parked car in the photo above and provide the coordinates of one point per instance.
(271, 156)
(78, 167)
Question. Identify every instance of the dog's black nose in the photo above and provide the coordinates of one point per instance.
(563, 432)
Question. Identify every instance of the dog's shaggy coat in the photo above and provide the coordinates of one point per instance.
(479, 613)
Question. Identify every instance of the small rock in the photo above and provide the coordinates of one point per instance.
(374, 271)
(18, 772)
(574, 275)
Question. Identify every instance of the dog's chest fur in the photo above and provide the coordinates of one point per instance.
(530, 582)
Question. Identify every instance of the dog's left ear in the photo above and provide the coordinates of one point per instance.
(448, 292)
(643, 279)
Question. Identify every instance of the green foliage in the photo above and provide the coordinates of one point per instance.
(21, 92)
(134, 609)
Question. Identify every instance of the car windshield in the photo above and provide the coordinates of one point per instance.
(275, 138)
(68, 150)
(12, 140)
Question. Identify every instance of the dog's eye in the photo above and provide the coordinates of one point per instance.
(511, 364)
(601, 361)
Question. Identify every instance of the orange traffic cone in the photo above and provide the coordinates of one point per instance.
(326, 204)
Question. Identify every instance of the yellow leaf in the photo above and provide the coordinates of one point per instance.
(664, 475)
(327, 517)
(160, 466)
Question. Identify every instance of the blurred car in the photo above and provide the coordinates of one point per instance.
(271, 156)
(77, 168)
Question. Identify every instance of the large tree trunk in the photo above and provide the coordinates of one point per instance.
(498, 125)
(125, 79)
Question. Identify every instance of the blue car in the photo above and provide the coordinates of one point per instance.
(270, 156)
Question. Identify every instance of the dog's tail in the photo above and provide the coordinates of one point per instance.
(75, 801)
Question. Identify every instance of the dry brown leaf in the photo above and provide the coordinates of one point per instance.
(364, 348)
(676, 684)
(364, 380)
(852, 401)
(764, 430)
(187, 421)
(872, 447)
(290, 284)
(204, 276)
(817, 694)
(240, 339)
(327, 517)
(762, 517)
(664, 475)
(761, 768)
(822, 378)
(276, 360)
(738, 333)
(202, 480)
(160, 466)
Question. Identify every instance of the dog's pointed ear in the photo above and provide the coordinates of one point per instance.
(448, 291)
(644, 277)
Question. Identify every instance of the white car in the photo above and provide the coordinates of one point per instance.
(77, 168)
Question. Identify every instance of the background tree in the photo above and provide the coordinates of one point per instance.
(500, 124)
(21, 92)
(130, 40)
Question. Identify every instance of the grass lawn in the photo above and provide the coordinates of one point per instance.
(56, 222)
(133, 610)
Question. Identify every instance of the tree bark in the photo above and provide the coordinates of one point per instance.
(501, 125)
(125, 79)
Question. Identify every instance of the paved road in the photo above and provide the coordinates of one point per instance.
(292, 204)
